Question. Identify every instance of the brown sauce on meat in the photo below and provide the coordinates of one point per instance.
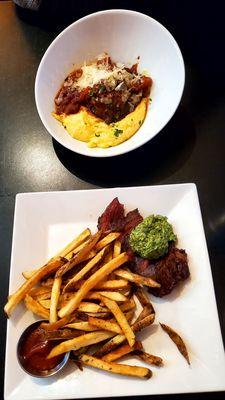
(108, 102)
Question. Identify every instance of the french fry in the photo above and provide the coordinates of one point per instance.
(139, 372)
(79, 257)
(78, 342)
(55, 325)
(91, 308)
(116, 248)
(91, 283)
(121, 319)
(28, 274)
(60, 334)
(149, 358)
(20, 294)
(39, 290)
(143, 297)
(128, 305)
(119, 339)
(103, 285)
(83, 326)
(35, 307)
(113, 284)
(76, 250)
(138, 326)
(95, 260)
(108, 257)
(138, 279)
(129, 315)
(177, 339)
(47, 283)
(111, 295)
(121, 351)
(107, 240)
(54, 299)
(77, 241)
(105, 325)
(144, 313)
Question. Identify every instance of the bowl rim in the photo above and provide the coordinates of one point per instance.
(117, 149)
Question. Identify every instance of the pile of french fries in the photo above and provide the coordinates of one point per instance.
(88, 297)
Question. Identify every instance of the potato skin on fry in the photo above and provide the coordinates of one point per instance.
(177, 339)
(122, 369)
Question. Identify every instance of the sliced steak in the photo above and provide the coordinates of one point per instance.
(168, 271)
(113, 218)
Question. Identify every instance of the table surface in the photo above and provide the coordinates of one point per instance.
(191, 148)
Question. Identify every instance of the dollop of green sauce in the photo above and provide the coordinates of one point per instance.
(150, 239)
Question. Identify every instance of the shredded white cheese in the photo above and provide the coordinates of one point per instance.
(93, 74)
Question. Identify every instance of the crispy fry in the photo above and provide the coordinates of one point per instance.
(19, 295)
(105, 325)
(113, 284)
(121, 319)
(91, 283)
(103, 285)
(111, 295)
(129, 315)
(139, 372)
(95, 260)
(63, 334)
(128, 305)
(36, 307)
(106, 240)
(54, 299)
(91, 307)
(144, 313)
(83, 326)
(139, 279)
(143, 297)
(121, 351)
(149, 358)
(39, 290)
(138, 326)
(75, 243)
(177, 340)
(108, 257)
(81, 341)
(55, 325)
(79, 257)
(116, 248)
(118, 339)
(85, 307)
(28, 274)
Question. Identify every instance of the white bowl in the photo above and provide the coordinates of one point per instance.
(125, 35)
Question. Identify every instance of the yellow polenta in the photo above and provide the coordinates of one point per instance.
(86, 127)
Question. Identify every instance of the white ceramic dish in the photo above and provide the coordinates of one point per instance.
(125, 35)
(45, 222)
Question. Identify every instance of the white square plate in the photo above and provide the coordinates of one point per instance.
(45, 222)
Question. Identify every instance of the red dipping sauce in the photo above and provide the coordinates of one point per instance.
(33, 350)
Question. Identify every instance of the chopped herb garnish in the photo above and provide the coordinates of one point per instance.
(91, 92)
(101, 88)
(150, 99)
(97, 135)
(140, 122)
(118, 132)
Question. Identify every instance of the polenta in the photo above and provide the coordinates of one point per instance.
(86, 127)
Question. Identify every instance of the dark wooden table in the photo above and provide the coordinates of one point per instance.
(191, 148)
